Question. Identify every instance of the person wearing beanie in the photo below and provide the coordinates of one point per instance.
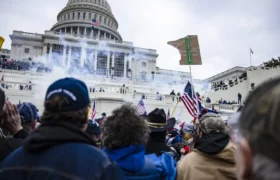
(213, 153)
(60, 148)
(28, 115)
(94, 130)
(156, 149)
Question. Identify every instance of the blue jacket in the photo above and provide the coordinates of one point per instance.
(59, 151)
(165, 164)
(132, 161)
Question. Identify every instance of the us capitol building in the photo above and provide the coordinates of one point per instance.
(100, 57)
(73, 43)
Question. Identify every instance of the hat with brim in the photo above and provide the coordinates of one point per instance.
(157, 121)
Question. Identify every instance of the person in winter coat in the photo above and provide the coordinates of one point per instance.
(156, 148)
(125, 136)
(10, 121)
(59, 148)
(213, 154)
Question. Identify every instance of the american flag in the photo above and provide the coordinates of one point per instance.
(95, 22)
(93, 112)
(141, 109)
(190, 100)
(252, 52)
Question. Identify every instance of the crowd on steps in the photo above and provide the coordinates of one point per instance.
(64, 144)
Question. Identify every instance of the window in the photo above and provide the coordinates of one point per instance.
(95, 16)
(78, 15)
(99, 2)
(68, 16)
(105, 21)
(26, 50)
(109, 22)
(89, 16)
(84, 16)
(100, 19)
(73, 16)
(144, 64)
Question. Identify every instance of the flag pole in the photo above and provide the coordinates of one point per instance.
(250, 57)
(190, 73)
(174, 109)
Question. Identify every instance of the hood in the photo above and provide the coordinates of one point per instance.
(55, 133)
(130, 159)
(212, 143)
(217, 145)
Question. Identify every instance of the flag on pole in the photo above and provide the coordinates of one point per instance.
(251, 51)
(93, 112)
(168, 114)
(1, 42)
(141, 109)
(190, 100)
(95, 22)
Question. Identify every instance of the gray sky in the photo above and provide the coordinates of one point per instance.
(226, 29)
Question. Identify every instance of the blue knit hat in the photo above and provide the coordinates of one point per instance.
(73, 89)
(27, 112)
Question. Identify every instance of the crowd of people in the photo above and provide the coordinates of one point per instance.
(230, 82)
(63, 143)
(273, 63)
(24, 65)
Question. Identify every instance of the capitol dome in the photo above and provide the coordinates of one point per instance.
(76, 18)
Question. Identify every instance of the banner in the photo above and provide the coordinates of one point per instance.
(1, 42)
(189, 50)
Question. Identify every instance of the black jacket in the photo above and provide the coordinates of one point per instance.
(59, 150)
(8, 145)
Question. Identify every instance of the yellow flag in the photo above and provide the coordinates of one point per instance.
(1, 42)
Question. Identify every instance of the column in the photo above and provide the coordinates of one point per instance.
(64, 56)
(108, 63)
(18, 52)
(71, 30)
(124, 69)
(110, 36)
(91, 33)
(83, 56)
(69, 57)
(50, 54)
(113, 64)
(85, 31)
(44, 51)
(105, 37)
(78, 31)
(95, 61)
(98, 34)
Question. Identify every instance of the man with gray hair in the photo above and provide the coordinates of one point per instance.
(256, 134)
(213, 154)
